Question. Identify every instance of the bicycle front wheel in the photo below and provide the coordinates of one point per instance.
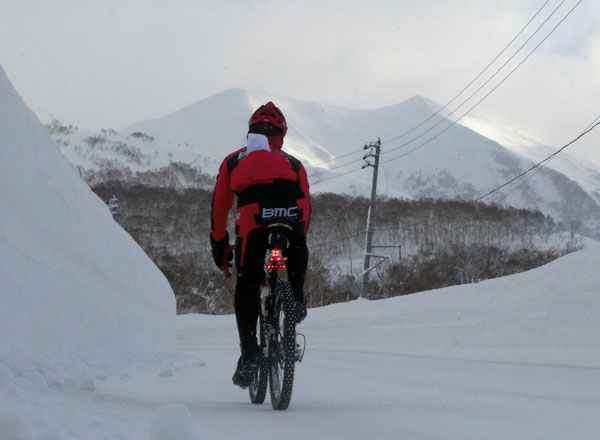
(283, 346)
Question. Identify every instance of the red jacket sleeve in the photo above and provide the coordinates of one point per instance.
(221, 203)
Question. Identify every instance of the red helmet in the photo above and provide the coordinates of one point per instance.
(269, 114)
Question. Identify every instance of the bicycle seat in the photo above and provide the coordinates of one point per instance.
(278, 233)
(279, 225)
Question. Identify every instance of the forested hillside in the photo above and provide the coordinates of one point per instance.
(437, 243)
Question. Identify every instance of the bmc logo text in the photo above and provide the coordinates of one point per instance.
(291, 212)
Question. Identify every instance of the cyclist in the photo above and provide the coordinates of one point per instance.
(271, 186)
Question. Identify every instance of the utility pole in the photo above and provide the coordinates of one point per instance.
(364, 290)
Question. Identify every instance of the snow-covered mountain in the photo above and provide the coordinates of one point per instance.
(585, 173)
(438, 159)
(65, 264)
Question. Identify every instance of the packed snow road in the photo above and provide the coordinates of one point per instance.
(372, 394)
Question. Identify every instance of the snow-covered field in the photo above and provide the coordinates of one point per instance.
(516, 357)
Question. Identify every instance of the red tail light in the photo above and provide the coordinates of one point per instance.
(276, 260)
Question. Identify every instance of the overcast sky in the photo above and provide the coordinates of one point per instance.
(111, 63)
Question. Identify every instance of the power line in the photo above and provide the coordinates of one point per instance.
(453, 123)
(453, 99)
(539, 163)
(505, 196)
(478, 102)
(492, 77)
(336, 176)
(540, 168)
(336, 157)
(320, 173)
(479, 75)
(593, 122)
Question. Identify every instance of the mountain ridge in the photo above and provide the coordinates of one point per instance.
(440, 158)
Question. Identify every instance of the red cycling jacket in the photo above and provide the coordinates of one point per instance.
(269, 184)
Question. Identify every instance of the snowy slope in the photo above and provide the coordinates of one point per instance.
(137, 153)
(585, 173)
(109, 155)
(71, 280)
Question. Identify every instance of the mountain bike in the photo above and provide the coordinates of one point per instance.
(280, 346)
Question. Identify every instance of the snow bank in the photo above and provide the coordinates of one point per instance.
(71, 280)
(547, 315)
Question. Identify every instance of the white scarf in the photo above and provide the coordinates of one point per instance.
(255, 142)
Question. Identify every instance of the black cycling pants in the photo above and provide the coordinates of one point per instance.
(250, 275)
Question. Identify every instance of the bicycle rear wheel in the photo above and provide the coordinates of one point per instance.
(283, 346)
(258, 387)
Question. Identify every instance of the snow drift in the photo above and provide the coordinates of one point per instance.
(70, 278)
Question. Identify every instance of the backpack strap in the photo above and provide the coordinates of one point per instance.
(234, 159)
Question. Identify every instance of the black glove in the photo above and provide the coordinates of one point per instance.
(218, 251)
